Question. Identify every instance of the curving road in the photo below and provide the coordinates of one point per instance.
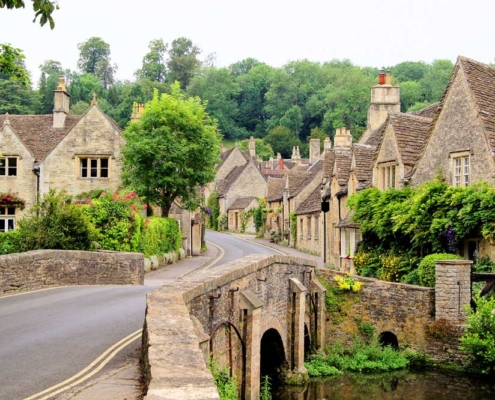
(48, 336)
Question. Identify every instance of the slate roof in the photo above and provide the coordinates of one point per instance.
(241, 203)
(37, 131)
(224, 185)
(343, 158)
(363, 158)
(376, 136)
(275, 189)
(312, 204)
(347, 222)
(296, 180)
(328, 163)
(481, 80)
(428, 112)
(411, 132)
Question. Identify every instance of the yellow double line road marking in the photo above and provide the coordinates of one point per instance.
(89, 371)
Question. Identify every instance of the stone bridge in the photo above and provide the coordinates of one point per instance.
(256, 315)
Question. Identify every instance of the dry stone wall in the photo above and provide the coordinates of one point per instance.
(47, 268)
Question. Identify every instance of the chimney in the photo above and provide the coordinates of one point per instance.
(137, 110)
(94, 102)
(314, 150)
(381, 77)
(270, 163)
(342, 139)
(281, 165)
(223, 148)
(294, 155)
(252, 147)
(327, 144)
(279, 156)
(61, 103)
(388, 78)
(385, 100)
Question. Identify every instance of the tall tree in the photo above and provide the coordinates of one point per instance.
(171, 150)
(16, 98)
(94, 58)
(50, 71)
(183, 61)
(153, 66)
(282, 141)
(12, 64)
(42, 8)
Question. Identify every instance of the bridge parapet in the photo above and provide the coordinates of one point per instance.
(234, 306)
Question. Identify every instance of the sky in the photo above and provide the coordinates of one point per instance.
(369, 33)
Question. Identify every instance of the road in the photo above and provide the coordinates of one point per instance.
(48, 336)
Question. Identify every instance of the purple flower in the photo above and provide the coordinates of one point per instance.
(208, 211)
(451, 239)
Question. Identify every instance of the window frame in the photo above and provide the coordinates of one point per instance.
(461, 168)
(5, 165)
(349, 240)
(388, 175)
(92, 166)
(8, 214)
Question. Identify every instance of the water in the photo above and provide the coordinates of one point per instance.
(431, 385)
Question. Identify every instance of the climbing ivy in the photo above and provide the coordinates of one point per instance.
(293, 226)
(214, 205)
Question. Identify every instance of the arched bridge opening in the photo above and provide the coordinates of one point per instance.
(272, 354)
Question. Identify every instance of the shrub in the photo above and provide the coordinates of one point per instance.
(56, 223)
(227, 386)
(162, 235)
(479, 337)
(426, 269)
(442, 330)
(9, 242)
(484, 265)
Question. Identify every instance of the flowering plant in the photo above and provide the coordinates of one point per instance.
(12, 199)
(347, 283)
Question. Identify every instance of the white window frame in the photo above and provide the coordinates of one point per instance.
(388, 173)
(309, 227)
(93, 163)
(461, 169)
(9, 218)
(349, 239)
(5, 165)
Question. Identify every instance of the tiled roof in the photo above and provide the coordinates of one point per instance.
(328, 163)
(296, 181)
(481, 80)
(37, 131)
(246, 154)
(428, 112)
(347, 222)
(376, 136)
(410, 133)
(241, 203)
(275, 189)
(343, 158)
(289, 164)
(363, 157)
(224, 185)
(224, 156)
(312, 204)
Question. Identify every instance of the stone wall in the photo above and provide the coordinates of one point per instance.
(48, 268)
(205, 311)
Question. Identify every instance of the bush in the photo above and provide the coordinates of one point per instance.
(479, 339)
(162, 235)
(426, 269)
(55, 223)
(9, 242)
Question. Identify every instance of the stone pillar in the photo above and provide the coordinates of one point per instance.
(251, 306)
(318, 292)
(452, 290)
(298, 307)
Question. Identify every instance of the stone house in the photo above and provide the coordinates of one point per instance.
(309, 226)
(274, 201)
(237, 215)
(59, 151)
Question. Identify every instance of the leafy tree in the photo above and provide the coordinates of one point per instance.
(410, 71)
(171, 150)
(243, 67)
(292, 120)
(12, 63)
(317, 133)
(282, 141)
(51, 67)
(79, 108)
(183, 61)
(50, 71)
(435, 80)
(16, 98)
(94, 58)
(42, 8)
(83, 86)
(263, 149)
(153, 66)
(410, 93)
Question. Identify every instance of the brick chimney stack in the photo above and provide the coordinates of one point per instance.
(342, 139)
(61, 103)
(314, 150)
(281, 165)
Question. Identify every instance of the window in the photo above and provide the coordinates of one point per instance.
(461, 171)
(94, 167)
(349, 240)
(389, 176)
(309, 227)
(317, 227)
(8, 166)
(7, 219)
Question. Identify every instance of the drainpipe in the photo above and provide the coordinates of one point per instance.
(36, 171)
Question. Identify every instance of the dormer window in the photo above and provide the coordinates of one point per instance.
(460, 169)
(8, 166)
(94, 167)
(388, 175)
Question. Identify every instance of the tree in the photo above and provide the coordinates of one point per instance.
(42, 8)
(16, 98)
(171, 150)
(12, 64)
(154, 67)
(94, 58)
(263, 149)
(410, 71)
(435, 80)
(50, 71)
(183, 62)
(282, 141)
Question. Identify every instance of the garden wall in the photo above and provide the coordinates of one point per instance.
(47, 268)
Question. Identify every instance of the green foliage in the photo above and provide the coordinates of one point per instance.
(116, 217)
(293, 226)
(260, 215)
(359, 357)
(318, 367)
(9, 242)
(479, 338)
(42, 8)
(426, 269)
(348, 283)
(282, 141)
(337, 301)
(417, 359)
(153, 66)
(55, 222)
(183, 62)
(11, 62)
(227, 386)
(366, 329)
(213, 204)
(263, 150)
(94, 59)
(165, 147)
(161, 235)
(484, 265)
(265, 390)
(222, 222)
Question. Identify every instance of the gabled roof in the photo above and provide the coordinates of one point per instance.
(296, 180)
(37, 131)
(411, 132)
(428, 112)
(375, 138)
(241, 203)
(328, 163)
(275, 189)
(312, 204)
(343, 158)
(224, 185)
(226, 154)
(363, 155)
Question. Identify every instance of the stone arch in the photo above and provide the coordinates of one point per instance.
(273, 322)
(387, 338)
(272, 354)
(307, 340)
